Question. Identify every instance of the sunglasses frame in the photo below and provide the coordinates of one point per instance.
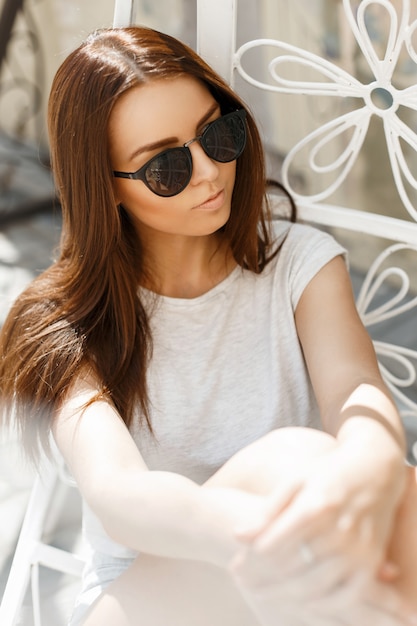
(140, 174)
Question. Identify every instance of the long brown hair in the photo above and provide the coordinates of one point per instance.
(83, 313)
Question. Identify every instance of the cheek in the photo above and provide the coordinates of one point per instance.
(146, 207)
(135, 198)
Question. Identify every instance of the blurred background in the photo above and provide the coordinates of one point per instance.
(35, 37)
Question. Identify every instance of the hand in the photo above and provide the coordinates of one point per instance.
(315, 594)
(225, 508)
(342, 517)
(336, 505)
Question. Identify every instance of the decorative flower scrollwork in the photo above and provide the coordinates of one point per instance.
(380, 298)
(379, 97)
(398, 364)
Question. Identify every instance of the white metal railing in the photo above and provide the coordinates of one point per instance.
(378, 98)
(124, 12)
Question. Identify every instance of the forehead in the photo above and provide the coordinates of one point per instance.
(157, 110)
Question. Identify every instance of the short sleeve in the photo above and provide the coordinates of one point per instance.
(304, 252)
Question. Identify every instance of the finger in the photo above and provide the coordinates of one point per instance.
(306, 514)
(289, 601)
(287, 559)
(388, 572)
(363, 601)
(302, 584)
(276, 504)
(321, 531)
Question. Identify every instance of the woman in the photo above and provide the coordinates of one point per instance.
(180, 327)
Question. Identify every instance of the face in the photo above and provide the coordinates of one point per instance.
(154, 117)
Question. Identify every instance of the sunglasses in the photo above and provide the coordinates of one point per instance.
(169, 172)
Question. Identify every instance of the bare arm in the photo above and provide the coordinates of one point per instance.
(355, 404)
(351, 498)
(341, 359)
(160, 513)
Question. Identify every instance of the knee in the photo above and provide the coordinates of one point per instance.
(298, 442)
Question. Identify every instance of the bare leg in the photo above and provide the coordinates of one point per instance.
(159, 591)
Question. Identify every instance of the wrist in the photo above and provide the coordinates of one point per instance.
(378, 456)
(224, 510)
(368, 412)
(373, 438)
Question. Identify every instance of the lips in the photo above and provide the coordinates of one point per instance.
(214, 201)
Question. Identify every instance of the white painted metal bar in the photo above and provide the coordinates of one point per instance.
(57, 559)
(124, 12)
(30, 533)
(382, 226)
(216, 34)
(36, 596)
(31, 552)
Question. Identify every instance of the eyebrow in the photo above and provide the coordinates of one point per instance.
(169, 140)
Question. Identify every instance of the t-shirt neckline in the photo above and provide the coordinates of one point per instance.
(211, 293)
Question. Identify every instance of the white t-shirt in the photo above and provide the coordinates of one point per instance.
(227, 367)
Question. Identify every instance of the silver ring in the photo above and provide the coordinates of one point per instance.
(307, 553)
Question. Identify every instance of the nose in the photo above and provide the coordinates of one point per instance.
(204, 168)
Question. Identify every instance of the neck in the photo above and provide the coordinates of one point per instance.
(187, 267)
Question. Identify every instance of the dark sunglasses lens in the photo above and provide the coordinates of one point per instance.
(225, 138)
(169, 172)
